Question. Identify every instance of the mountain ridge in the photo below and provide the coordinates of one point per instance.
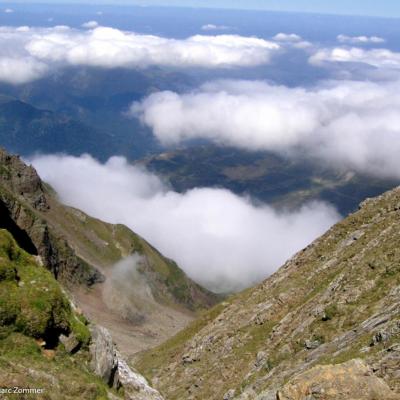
(83, 254)
(335, 301)
(26, 129)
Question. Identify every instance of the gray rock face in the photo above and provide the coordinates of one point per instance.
(261, 359)
(311, 344)
(135, 385)
(23, 180)
(25, 204)
(104, 360)
(108, 363)
(351, 380)
(71, 343)
(337, 299)
(229, 395)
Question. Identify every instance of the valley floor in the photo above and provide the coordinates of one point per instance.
(131, 336)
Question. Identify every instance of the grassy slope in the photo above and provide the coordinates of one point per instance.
(330, 293)
(33, 307)
(95, 242)
(141, 309)
(103, 244)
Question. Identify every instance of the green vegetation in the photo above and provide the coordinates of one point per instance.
(167, 350)
(330, 312)
(60, 375)
(102, 244)
(33, 307)
(31, 301)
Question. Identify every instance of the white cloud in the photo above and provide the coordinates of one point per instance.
(8, 10)
(20, 70)
(213, 27)
(360, 39)
(109, 48)
(220, 239)
(291, 39)
(350, 124)
(112, 48)
(379, 58)
(287, 37)
(90, 24)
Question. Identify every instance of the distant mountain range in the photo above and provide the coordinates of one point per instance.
(84, 111)
(25, 129)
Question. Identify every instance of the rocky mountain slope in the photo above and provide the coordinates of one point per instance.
(48, 349)
(326, 325)
(143, 300)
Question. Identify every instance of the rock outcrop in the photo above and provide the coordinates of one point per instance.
(104, 361)
(351, 380)
(107, 363)
(335, 301)
(24, 204)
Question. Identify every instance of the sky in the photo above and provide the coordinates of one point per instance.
(385, 8)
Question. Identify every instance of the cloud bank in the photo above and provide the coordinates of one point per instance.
(90, 24)
(103, 47)
(213, 27)
(221, 240)
(291, 40)
(378, 58)
(360, 39)
(287, 37)
(350, 124)
(21, 70)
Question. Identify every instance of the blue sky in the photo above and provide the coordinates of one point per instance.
(389, 8)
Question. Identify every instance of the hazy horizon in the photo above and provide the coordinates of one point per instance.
(366, 8)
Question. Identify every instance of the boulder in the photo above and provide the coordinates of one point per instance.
(135, 385)
(107, 363)
(352, 380)
(104, 361)
(70, 342)
(229, 395)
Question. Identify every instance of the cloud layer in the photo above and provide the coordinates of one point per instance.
(378, 58)
(287, 37)
(105, 47)
(360, 39)
(213, 27)
(350, 124)
(220, 239)
(291, 40)
(21, 70)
